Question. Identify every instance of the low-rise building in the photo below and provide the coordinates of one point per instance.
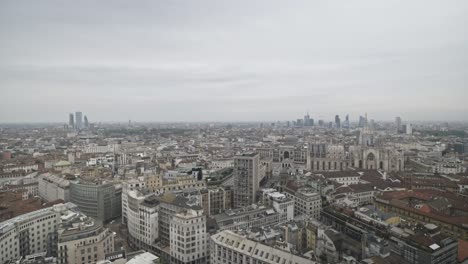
(306, 201)
(425, 247)
(216, 200)
(229, 247)
(250, 217)
(53, 187)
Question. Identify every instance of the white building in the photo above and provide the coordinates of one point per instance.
(342, 177)
(31, 233)
(53, 187)
(145, 258)
(229, 247)
(128, 186)
(409, 129)
(306, 202)
(188, 237)
(28, 189)
(221, 164)
(142, 219)
(282, 204)
(95, 148)
(26, 168)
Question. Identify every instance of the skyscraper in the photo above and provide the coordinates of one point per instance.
(409, 129)
(71, 121)
(362, 121)
(307, 120)
(398, 124)
(346, 122)
(86, 125)
(246, 178)
(337, 121)
(78, 120)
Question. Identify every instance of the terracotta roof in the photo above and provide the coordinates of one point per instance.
(340, 174)
(462, 250)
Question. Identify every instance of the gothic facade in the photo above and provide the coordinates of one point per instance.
(335, 158)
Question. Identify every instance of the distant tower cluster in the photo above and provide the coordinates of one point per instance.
(307, 121)
(403, 129)
(76, 121)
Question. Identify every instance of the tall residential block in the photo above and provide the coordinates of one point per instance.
(246, 178)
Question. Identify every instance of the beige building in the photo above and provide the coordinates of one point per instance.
(83, 240)
(159, 185)
(216, 200)
(188, 237)
(306, 201)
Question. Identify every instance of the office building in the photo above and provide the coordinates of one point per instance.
(306, 201)
(216, 200)
(78, 120)
(31, 233)
(71, 121)
(171, 204)
(409, 129)
(337, 121)
(346, 122)
(142, 220)
(246, 178)
(102, 201)
(427, 246)
(308, 121)
(398, 124)
(82, 239)
(188, 237)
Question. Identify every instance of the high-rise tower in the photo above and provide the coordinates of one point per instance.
(337, 121)
(71, 121)
(246, 178)
(78, 120)
(398, 124)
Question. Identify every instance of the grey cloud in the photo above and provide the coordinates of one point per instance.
(239, 60)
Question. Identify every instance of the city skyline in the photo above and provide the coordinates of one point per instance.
(166, 61)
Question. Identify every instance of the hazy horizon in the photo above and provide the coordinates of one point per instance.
(232, 61)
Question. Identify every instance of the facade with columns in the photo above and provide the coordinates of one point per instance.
(335, 158)
(287, 155)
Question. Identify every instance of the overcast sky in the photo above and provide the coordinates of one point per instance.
(233, 60)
